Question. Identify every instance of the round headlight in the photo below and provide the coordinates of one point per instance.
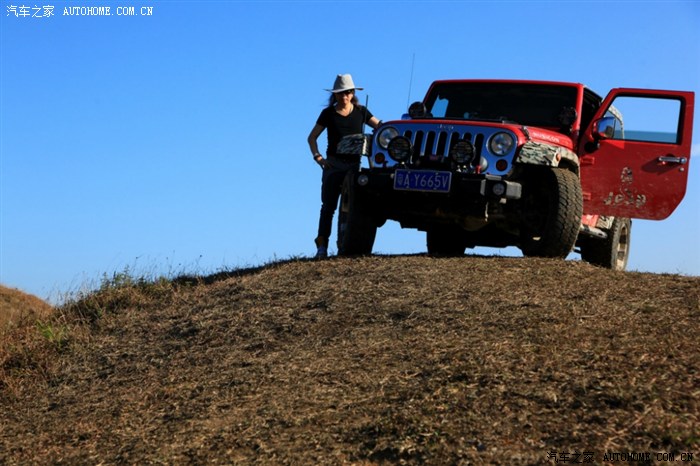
(462, 152)
(386, 135)
(501, 143)
(400, 149)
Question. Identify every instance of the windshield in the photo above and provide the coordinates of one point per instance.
(527, 104)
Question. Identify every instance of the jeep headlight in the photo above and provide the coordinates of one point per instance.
(400, 149)
(385, 136)
(501, 143)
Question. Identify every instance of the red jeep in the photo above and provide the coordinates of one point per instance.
(544, 166)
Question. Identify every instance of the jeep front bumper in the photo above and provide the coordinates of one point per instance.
(469, 196)
(487, 186)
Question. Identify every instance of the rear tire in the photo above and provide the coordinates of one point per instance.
(356, 227)
(613, 251)
(551, 212)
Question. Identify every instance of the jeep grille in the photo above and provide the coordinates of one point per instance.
(438, 143)
(432, 142)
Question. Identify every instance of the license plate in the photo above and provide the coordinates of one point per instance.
(422, 180)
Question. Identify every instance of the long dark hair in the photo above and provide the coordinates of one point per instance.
(332, 101)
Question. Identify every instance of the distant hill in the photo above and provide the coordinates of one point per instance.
(367, 361)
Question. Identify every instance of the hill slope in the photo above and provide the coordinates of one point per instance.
(16, 305)
(373, 360)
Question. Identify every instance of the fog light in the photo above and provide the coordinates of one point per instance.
(462, 152)
(501, 165)
(498, 189)
(400, 149)
(417, 110)
(362, 180)
(380, 158)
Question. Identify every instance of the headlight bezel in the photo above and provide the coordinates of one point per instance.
(385, 136)
(501, 143)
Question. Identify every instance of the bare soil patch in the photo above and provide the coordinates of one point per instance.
(377, 360)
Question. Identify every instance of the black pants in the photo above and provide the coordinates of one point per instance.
(331, 186)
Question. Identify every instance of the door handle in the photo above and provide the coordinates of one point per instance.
(672, 159)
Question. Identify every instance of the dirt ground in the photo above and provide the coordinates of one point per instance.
(367, 361)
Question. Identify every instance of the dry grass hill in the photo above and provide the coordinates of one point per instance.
(367, 361)
(16, 306)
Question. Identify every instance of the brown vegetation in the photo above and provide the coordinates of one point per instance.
(378, 360)
(16, 306)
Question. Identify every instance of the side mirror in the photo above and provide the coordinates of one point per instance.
(605, 128)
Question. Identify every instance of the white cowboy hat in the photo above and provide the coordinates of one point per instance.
(343, 83)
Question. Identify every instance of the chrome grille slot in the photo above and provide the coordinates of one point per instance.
(441, 143)
(429, 144)
(418, 144)
(478, 144)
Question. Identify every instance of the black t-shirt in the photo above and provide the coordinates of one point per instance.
(339, 126)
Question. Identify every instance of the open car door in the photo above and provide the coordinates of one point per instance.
(636, 153)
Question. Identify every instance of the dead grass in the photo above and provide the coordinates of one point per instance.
(379, 360)
(16, 306)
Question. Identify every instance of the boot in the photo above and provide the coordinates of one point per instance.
(321, 247)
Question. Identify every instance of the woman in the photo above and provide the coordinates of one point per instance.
(343, 116)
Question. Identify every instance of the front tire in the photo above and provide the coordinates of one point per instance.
(551, 212)
(445, 241)
(613, 251)
(356, 227)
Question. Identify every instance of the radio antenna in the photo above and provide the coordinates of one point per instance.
(410, 82)
(364, 112)
(364, 117)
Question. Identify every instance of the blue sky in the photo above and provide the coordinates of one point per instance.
(176, 142)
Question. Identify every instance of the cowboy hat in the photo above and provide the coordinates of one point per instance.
(343, 83)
